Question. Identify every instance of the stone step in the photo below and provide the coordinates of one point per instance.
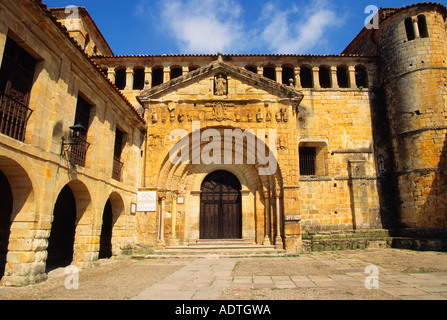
(225, 247)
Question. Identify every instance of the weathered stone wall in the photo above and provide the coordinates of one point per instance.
(415, 75)
(338, 198)
(35, 169)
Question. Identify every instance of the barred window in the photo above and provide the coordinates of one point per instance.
(308, 161)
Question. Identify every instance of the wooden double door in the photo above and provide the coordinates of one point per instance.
(221, 207)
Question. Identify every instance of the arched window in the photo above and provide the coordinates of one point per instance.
(422, 25)
(325, 77)
(138, 81)
(193, 68)
(253, 69)
(269, 72)
(342, 77)
(287, 75)
(361, 77)
(120, 79)
(157, 76)
(176, 72)
(306, 77)
(409, 29)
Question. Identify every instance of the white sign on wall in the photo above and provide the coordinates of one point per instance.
(147, 201)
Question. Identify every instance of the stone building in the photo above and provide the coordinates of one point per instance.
(103, 154)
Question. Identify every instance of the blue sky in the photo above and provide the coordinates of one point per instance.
(229, 26)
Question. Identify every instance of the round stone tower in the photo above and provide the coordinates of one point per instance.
(412, 44)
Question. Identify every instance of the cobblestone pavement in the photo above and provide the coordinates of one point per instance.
(388, 273)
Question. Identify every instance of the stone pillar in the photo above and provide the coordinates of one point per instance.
(129, 78)
(358, 190)
(111, 74)
(297, 77)
(279, 75)
(161, 231)
(166, 74)
(352, 81)
(261, 71)
(147, 78)
(174, 241)
(334, 78)
(267, 240)
(416, 27)
(185, 70)
(278, 241)
(316, 76)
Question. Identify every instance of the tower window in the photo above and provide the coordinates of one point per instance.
(422, 25)
(157, 76)
(342, 77)
(306, 77)
(120, 79)
(252, 69)
(269, 72)
(409, 29)
(325, 77)
(361, 77)
(287, 74)
(138, 82)
(176, 72)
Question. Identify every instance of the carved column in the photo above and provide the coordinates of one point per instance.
(166, 74)
(147, 78)
(161, 231)
(174, 241)
(279, 75)
(298, 77)
(334, 78)
(267, 241)
(316, 76)
(278, 241)
(352, 80)
(111, 74)
(129, 78)
(416, 27)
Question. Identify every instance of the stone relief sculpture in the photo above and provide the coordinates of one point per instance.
(220, 85)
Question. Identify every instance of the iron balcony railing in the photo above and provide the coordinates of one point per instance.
(78, 150)
(14, 117)
(117, 169)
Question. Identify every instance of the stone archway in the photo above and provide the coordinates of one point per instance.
(113, 210)
(71, 228)
(262, 217)
(6, 203)
(62, 237)
(221, 206)
(17, 209)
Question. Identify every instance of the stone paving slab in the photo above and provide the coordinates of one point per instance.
(404, 275)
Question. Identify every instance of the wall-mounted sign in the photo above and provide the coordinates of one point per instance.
(181, 200)
(147, 201)
(133, 208)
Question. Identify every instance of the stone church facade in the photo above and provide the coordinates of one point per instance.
(103, 154)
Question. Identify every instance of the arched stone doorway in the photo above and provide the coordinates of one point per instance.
(221, 206)
(62, 237)
(105, 243)
(113, 227)
(6, 206)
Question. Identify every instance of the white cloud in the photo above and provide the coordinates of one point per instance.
(295, 30)
(210, 26)
(203, 26)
